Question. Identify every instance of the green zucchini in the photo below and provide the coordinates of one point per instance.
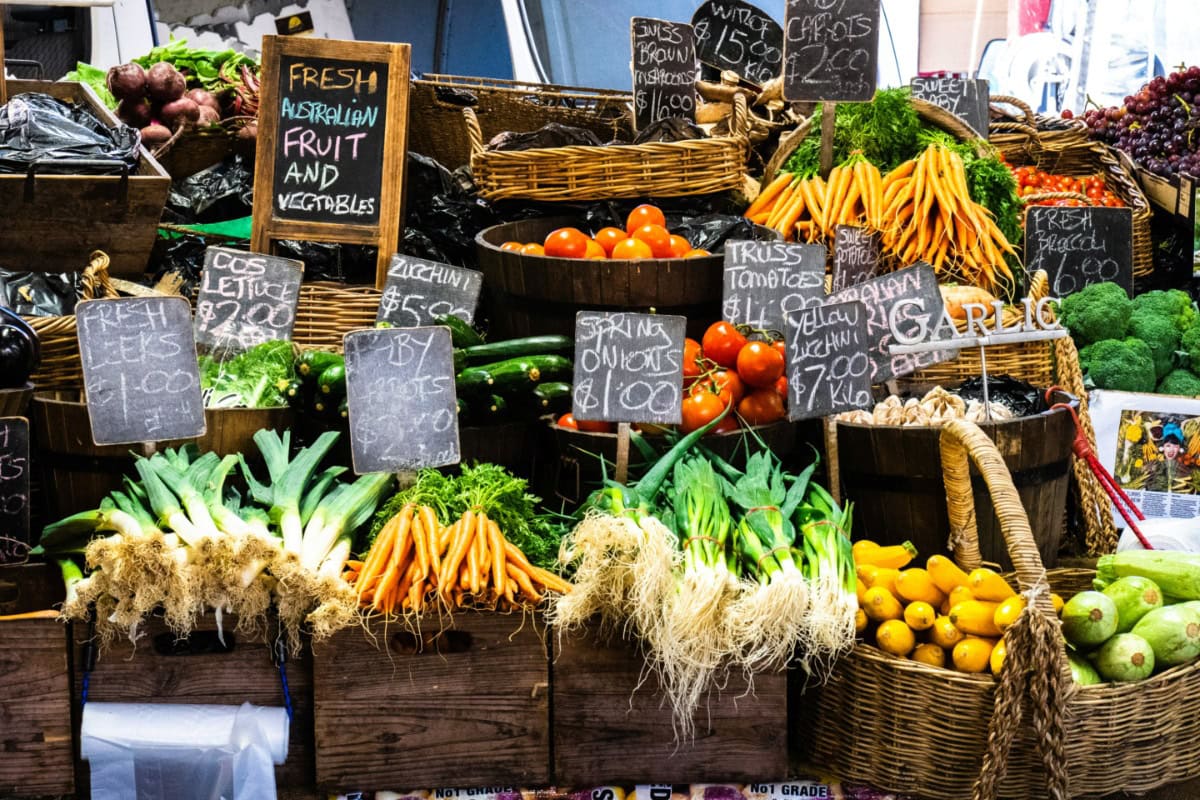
(344, 408)
(294, 392)
(461, 333)
(312, 363)
(460, 360)
(528, 346)
(553, 396)
(518, 373)
(496, 407)
(332, 380)
(474, 380)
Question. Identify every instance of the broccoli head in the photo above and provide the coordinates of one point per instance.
(1190, 343)
(1160, 333)
(1173, 304)
(1097, 312)
(1180, 382)
(1126, 365)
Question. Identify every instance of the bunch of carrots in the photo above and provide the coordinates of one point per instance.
(810, 209)
(416, 562)
(922, 209)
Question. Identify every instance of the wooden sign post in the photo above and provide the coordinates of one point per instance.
(403, 406)
(140, 374)
(15, 539)
(628, 368)
(332, 144)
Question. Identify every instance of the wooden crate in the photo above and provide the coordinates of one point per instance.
(197, 670)
(465, 704)
(607, 728)
(53, 222)
(35, 686)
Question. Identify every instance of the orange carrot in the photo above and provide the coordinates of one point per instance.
(496, 540)
(769, 193)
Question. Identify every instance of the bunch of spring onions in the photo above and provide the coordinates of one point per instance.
(182, 537)
(714, 568)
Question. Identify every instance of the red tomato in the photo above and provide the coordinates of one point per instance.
(568, 421)
(596, 426)
(724, 383)
(761, 407)
(699, 409)
(645, 214)
(566, 243)
(781, 387)
(727, 425)
(511, 246)
(759, 364)
(608, 238)
(679, 246)
(722, 342)
(657, 237)
(691, 361)
(781, 347)
(595, 249)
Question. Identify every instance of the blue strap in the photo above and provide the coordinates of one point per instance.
(281, 660)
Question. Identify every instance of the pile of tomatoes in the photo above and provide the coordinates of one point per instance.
(725, 368)
(645, 236)
(1031, 180)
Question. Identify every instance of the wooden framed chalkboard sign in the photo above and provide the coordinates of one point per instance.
(830, 50)
(332, 138)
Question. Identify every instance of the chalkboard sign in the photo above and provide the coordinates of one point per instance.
(965, 98)
(765, 281)
(628, 367)
(855, 256)
(919, 283)
(738, 36)
(417, 292)
(829, 370)
(1080, 246)
(139, 369)
(664, 70)
(830, 49)
(14, 489)
(400, 390)
(332, 139)
(245, 299)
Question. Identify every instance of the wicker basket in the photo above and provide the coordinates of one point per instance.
(435, 126)
(1062, 147)
(327, 311)
(924, 730)
(654, 169)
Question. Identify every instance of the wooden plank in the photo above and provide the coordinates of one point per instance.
(245, 674)
(607, 728)
(470, 708)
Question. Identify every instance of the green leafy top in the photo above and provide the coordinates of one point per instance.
(95, 78)
(214, 70)
(252, 379)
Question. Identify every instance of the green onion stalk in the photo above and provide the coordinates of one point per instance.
(768, 618)
(824, 528)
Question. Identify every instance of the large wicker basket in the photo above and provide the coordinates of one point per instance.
(912, 728)
(435, 126)
(653, 169)
(1062, 147)
(328, 310)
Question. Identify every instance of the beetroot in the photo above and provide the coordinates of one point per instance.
(179, 112)
(248, 131)
(126, 81)
(164, 83)
(154, 134)
(134, 112)
(208, 116)
(204, 98)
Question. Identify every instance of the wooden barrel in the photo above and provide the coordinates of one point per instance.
(533, 295)
(15, 402)
(893, 475)
(76, 473)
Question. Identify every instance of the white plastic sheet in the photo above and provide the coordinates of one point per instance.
(143, 751)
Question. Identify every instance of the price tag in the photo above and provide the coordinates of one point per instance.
(965, 98)
(628, 367)
(417, 292)
(245, 299)
(735, 35)
(829, 370)
(855, 256)
(15, 538)
(140, 374)
(830, 50)
(664, 70)
(400, 391)
(1080, 246)
(766, 281)
(916, 288)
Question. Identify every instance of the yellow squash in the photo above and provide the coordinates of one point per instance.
(976, 618)
(929, 654)
(997, 659)
(915, 584)
(882, 605)
(1008, 611)
(894, 637)
(944, 634)
(972, 654)
(988, 585)
(895, 556)
(945, 573)
(919, 616)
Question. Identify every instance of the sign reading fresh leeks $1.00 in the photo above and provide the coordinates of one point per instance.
(331, 143)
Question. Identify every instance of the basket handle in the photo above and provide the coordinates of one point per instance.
(474, 134)
(1007, 100)
(95, 276)
(1040, 196)
(741, 117)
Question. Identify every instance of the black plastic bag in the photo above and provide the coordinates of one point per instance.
(223, 191)
(552, 134)
(1022, 398)
(442, 214)
(36, 127)
(183, 257)
(332, 261)
(39, 294)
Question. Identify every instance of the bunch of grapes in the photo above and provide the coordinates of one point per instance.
(1157, 126)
